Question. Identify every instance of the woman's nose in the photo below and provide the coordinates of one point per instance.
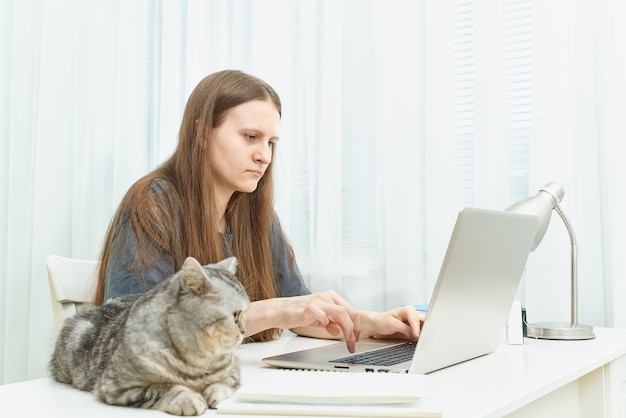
(264, 154)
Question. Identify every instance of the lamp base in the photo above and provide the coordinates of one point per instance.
(560, 331)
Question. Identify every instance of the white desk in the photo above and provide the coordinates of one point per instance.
(538, 379)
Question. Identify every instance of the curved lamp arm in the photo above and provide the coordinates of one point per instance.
(573, 266)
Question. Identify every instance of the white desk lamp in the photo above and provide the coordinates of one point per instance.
(547, 199)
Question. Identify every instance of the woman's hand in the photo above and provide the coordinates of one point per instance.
(322, 315)
(399, 323)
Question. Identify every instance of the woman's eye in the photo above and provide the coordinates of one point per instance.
(250, 137)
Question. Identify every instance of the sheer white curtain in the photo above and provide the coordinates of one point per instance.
(611, 88)
(72, 125)
(395, 115)
(521, 93)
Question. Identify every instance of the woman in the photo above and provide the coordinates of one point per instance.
(213, 198)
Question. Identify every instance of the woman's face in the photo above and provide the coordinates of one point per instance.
(241, 147)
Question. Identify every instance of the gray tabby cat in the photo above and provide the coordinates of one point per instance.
(169, 349)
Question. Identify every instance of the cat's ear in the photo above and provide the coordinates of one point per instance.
(194, 278)
(229, 264)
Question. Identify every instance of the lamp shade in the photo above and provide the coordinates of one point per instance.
(541, 205)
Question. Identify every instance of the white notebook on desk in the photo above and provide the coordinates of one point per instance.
(320, 387)
(304, 392)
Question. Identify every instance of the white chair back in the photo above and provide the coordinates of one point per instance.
(72, 284)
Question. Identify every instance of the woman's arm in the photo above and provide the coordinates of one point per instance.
(125, 273)
(328, 315)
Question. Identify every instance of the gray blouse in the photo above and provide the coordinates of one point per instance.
(125, 270)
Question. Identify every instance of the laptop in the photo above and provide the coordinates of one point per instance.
(468, 310)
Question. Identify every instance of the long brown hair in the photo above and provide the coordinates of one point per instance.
(183, 221)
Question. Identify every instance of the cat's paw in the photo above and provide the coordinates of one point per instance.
(216, 393)
(186, 403)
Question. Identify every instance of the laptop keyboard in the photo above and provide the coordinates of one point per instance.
(388, 356)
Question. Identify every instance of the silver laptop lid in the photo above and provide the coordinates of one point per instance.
(476, 287)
